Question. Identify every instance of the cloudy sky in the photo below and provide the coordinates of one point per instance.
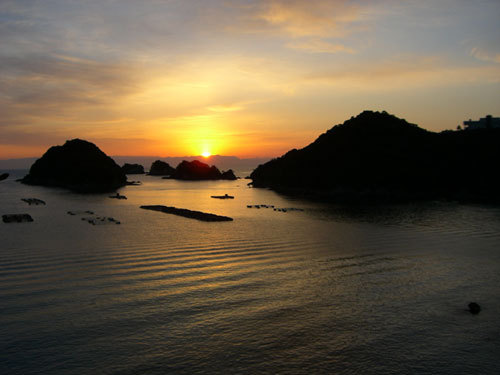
(236, 77)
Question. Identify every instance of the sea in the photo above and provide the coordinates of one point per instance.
(314, 289)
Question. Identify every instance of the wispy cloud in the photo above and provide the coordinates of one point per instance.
(484, 55)
(320, 18)
(225, 108)
(404, 72)
(318, 46)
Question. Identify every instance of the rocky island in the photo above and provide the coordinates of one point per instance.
(77, 165)
(132, 168)
(196, 170)
(378, 157)
(161, 168)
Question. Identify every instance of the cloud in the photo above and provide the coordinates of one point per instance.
(318, 46)
(404, 72)
(297, 18)
(225, 108)
(55, 86)
(307, 26)
(484, 55)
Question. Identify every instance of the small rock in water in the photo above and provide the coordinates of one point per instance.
(118, 196)
(474, 308)
(80, 212)
(34, 201)
(94, 219)
(17, 218)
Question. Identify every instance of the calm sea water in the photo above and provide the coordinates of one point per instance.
(327, 290)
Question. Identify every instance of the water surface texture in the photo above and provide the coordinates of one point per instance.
(330, 289)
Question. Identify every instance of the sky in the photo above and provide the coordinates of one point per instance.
(249, 78)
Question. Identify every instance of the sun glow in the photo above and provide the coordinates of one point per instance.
(206, 154)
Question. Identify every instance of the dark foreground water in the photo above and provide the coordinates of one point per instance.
(327, 290)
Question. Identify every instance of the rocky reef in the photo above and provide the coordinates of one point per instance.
(198, 215)
(17, 218)
(77, 165)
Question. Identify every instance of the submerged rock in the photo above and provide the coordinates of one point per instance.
(77, 165)
(93, 218)
(160, 168)
(17, 218)
(34, 201)
(132, 168)
(118, 196)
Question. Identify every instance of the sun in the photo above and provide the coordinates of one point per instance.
(206, 154)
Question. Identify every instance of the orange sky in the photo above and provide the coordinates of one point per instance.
(245, 78)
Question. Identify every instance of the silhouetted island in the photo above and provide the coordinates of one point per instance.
(160, 168)
(196, 170)
(77, 165)
(132, 168)
(379, 157)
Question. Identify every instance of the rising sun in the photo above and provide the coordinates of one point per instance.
(206, 154)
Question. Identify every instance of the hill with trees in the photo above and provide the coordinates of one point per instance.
(376, 156)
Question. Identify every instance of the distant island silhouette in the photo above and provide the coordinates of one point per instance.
(378, 157)
(81, 166)
(128, 168)
(161, 168)
(77, 165)
(196, 170)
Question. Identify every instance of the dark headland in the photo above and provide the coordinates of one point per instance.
(77, 165)
(377, 157)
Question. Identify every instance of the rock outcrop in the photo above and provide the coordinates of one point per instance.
(196, 170)
(228, 175)
(132, 168)
(160, 168)
(17, 218)
(34, 201)
(379, 157)
(474, 308)
(4, 176)
(77, 165)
